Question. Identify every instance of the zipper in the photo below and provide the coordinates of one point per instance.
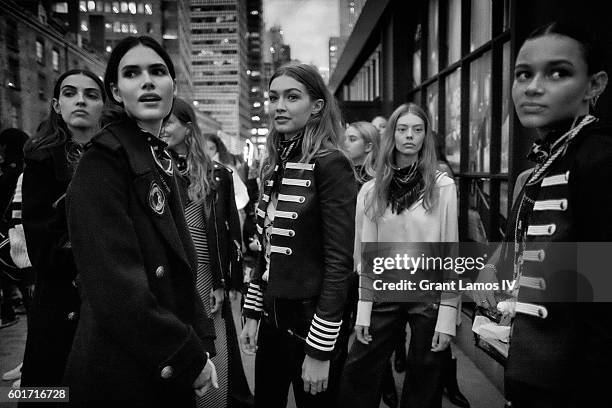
(214, 211)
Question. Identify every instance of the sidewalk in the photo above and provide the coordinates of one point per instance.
(475, 386)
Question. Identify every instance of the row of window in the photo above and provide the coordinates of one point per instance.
(225, 7)
(218, 62)
(210, 53)
(228, 30)
(215, 83)
(365, 86)
(228, 18)
(125, 7)
(41, 55)
(215, 42)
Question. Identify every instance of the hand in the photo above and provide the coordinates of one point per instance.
(485, 298)
(362, 333)
(216, 300)
(315, 374)
(206, 379)
(440, 341)
(234, 294)
(248, 337)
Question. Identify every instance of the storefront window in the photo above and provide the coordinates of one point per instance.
(480, 123)
(432, 104)
(452, 129)
(432, 39)
(507, 108)
(454, 30)
(480, 23)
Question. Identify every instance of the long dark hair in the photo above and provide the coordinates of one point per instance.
(199, 165)
(53, 130)
(225, 156)
(111, 76)
(323, 132)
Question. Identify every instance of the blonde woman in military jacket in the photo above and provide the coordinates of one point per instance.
(305, 219)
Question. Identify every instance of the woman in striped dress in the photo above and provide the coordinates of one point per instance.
(212, 218)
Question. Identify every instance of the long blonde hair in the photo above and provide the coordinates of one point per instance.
(369, 134)
(323, 132)
(199, 165)
(378, 200)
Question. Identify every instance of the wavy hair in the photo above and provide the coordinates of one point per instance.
(385, 163)
(323, 132)
(199, 165)
(371, 135)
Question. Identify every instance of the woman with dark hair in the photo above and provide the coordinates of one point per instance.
(51, 157)
(409, 201)
(208, 196)
(143, 336)
(305, 220)
(560, 351)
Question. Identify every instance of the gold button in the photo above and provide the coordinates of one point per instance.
(71, 316)
(167, 372)
(159, 272)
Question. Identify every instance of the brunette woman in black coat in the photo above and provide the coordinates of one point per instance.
(210, 211)
(142, 338)
(50, 159)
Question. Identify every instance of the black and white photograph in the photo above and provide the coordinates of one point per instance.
(305, 203)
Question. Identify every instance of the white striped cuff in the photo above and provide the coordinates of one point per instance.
(254, 298)
(323, 334)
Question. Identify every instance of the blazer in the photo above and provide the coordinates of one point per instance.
(567, 343)
(222, 228)
(142, 336)
(311, 243)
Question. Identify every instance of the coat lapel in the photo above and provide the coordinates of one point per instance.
(163, 208)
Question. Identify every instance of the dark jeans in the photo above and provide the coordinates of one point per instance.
(363, 372)
(280, 355)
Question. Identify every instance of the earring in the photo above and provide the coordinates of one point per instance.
(593, 101)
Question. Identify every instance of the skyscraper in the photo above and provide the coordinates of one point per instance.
(349, 14)
(259, 119)
(219, 65)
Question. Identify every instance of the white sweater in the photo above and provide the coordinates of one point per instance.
(412, 225)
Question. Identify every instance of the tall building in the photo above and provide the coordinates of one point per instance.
(219, 65)
(333, 49)
(102, 24)
(35, 49)
(279, 51)
(349, 14)
(259, 119)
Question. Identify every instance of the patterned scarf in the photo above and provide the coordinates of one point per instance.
(405, 189)
(286, 149)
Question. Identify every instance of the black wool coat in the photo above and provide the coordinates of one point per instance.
(53, 317)
(142, 335)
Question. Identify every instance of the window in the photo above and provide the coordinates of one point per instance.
(84, 26)
(149, 28)
(140, 8)
(480, 28)
(61, 7)
(416, 57)
(125, 28)
(55, 60)
(40, 51)
(83, 6)
(133, 28)
(42, 86)
(100, 6)
(117, 27)
(13, 79)
(107, 7)
(453, 36)
(432, 39)
(124, 7)
(452, 129)
(116, 7)
(91, 6)
(132, 7)
(148, 8)
(480, 125)
(507, 108)
(432, 104)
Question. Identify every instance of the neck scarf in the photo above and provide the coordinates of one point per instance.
(405, 189)
(286, 150)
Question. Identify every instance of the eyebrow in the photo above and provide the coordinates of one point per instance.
(553, 62)
(287, 90)
(74, 87)
(155, 65)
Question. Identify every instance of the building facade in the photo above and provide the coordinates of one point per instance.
(219, 65)
(456, 58)
(33, 54)
(257, 85)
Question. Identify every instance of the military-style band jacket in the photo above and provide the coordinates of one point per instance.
(568, 204)
(311, 244)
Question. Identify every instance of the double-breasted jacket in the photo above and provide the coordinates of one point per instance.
(142, 336)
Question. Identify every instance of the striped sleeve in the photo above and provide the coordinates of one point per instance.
(253, 303)
(323, 334)
(15, 206)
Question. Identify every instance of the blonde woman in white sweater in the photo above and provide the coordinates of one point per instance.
(409, 201)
